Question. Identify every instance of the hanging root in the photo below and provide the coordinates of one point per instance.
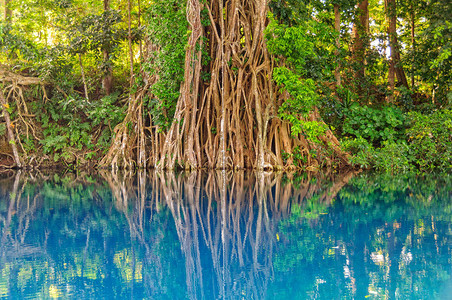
(11, 137)
(230, 120)
(24, 123)
(127, 150)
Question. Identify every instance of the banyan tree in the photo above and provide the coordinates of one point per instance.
(229, 121)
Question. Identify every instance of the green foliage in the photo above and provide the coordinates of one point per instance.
(426, 145)
(16, 46)
(167, 31)
(105, 111)
(293, 12)
(64, 134)
(289, 11)
(46, 38)
(100, 34)
(362, 151)
(299, 158)
(393, 157)
(306, 49)
(430, 138)
(303, 92)
(431, 59)
(375, 125)
(97, 32)
(302, 50)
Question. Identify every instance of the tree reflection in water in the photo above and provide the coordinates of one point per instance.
(223, 235)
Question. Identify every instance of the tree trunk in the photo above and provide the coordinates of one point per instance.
(11, 138)
(107, 79)
(129, 37)
(391, 13)
(391, 69)
(7, 13)
(139, 26)
(240, 100)
(391, 81)
(82, 70)
(413, 45)
(360, 38)
(337, 28)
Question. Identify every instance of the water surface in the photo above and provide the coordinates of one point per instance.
(217, 235)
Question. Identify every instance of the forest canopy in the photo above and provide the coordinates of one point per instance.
(215, 84)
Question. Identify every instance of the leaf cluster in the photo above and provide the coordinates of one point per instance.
(64, 134)
(168, 32)
(374, 125)
(424, 145)
(301, 50)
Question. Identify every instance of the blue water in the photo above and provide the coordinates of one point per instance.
(210, 236)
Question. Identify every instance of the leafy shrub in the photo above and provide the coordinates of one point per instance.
(430, 139)
(299, 159)
(106, 112)
(70, 124)
(305, 62)
(393, 157)
(362, 151)
(374, 125)
(427, 146)
(167, 29)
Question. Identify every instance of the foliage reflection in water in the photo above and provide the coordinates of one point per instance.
(205, 236)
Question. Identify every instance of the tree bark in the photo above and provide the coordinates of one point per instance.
(413, 43)
(129, 37)
(391, 13)
(106, 4)
(139, 25)
(337, 28)
(391, 69)
(360, 38)
(7, 13)
(82, 70)
(11, 138)
(107, 79)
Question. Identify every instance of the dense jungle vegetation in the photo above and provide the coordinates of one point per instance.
(263, 84)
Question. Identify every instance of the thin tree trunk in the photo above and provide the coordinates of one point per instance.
(11, 139)
(413, 45)
(107, 79)
(400, 73)
(391, 81)
(82, 70)
(392, 32)
(337, 28)
(391, 70)
(139, 25)
(129, 24)
(7, 18)
(360, 43)
(7, 13)
(222, 160)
